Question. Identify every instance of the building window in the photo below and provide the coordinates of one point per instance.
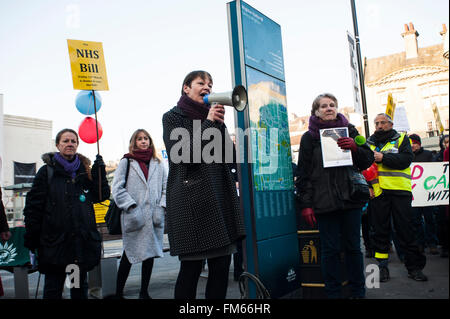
(435, 93)
(432, 129)
(398, 95)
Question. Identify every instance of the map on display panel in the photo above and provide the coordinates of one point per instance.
(272, 159)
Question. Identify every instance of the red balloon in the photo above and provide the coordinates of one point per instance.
(88, 132)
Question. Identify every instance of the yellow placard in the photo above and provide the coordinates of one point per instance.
(390, 107)
(437, 118)
(100, 210)
(88, 65)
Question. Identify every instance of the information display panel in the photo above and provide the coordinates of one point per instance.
(266, 176)
(262, 42)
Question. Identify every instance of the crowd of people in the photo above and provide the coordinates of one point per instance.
(198, 204)
(429, 223)
(388, 215)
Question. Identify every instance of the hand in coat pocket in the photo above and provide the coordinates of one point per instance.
(158, 216)
(133, 220)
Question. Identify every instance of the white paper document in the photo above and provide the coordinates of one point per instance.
(332, 154)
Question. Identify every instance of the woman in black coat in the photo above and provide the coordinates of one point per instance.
(203, 216)
(324, 193)
(59, 216)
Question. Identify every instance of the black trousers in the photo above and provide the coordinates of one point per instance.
(124, 271)
(238, 260)
(55, 281)
(398, 207)
(442, 224)
(366, 228)
(217, 284)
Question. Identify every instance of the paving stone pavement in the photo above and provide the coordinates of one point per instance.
(165, 271)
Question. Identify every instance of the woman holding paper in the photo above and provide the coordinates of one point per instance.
(324, 195)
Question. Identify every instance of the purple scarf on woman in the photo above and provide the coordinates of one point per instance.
(69, 167)
(316, 124)
(194, 110)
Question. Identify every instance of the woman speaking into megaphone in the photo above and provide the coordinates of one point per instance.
(195, 92)
(203, 215)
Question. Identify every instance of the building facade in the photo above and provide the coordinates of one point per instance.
(298, 125)
(23, 140)
(417, 78)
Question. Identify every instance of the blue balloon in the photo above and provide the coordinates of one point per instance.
(85, 102)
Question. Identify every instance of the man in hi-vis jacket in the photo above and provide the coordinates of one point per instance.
(393, 197)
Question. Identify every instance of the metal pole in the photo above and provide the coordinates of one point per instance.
(98, 150)
(360, 70)
(96, 123)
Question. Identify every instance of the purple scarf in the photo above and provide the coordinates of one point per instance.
(69, 167)
(194, 110)
(315, 124)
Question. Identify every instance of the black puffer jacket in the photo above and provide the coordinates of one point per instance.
(423, 155)
(59, 218)
(400, 160)
(327, 189)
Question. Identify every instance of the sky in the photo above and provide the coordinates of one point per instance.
(150, 45)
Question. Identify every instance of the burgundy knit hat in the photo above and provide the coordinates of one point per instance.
(415, 139)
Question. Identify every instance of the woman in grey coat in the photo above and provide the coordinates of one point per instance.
(143, 202)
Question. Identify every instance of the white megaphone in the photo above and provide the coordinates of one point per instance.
(236, 98)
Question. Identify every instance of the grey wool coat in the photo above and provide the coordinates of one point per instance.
(146, 240)
(203, 211)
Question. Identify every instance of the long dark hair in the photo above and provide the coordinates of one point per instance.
(133, 138)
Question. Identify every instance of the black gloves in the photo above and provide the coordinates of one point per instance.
(99, 160)
(98, 172)
(98, 168)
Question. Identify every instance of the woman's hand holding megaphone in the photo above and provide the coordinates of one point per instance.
(216, 113)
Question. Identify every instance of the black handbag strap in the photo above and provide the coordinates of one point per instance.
(126, 174)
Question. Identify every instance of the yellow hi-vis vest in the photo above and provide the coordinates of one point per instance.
(389, 178)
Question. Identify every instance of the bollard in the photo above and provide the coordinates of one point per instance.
(103, 278)
(21, 287)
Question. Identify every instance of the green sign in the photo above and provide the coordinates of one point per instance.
(12, 252)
